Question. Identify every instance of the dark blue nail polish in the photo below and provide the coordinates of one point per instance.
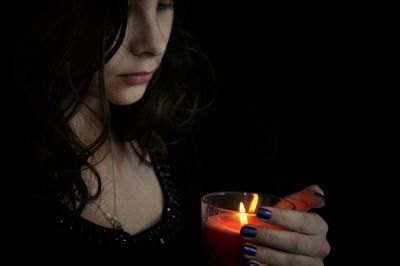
(248, 231)
(249, 250)
(253, 264)
(264, 213)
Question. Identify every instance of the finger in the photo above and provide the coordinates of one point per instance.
(289, 241)
(286, 204)
(275, 257)
(310, 197)
(302, 222)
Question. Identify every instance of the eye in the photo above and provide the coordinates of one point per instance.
(166, 5)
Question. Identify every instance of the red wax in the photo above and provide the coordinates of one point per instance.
(222, 239)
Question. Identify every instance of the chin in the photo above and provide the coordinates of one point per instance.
(127, 96)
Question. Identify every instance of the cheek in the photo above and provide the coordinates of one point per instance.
(114, 61)
(166, 27)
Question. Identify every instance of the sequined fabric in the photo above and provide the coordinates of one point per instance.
(154, 238)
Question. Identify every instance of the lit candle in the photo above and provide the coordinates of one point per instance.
(222, 235)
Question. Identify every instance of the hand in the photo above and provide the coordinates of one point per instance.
(303, 243)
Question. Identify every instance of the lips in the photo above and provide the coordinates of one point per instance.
(137, 78)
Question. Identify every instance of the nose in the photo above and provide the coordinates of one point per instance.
(146, 36)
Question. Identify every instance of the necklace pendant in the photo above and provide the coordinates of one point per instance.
(115, 223)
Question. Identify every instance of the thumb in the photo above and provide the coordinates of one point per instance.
(310, 197)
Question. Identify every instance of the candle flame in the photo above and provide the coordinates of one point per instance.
(242, 214)
(254, 202)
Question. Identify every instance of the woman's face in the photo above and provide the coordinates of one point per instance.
(129, 71)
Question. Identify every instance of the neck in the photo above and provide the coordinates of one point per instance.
(88, 121)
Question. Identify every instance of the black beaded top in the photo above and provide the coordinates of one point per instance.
(146, 242)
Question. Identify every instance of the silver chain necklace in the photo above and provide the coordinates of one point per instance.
(113, 220)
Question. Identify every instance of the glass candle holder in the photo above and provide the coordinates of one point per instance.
(223, 214)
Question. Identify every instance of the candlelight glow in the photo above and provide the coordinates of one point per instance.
(242, 214)
(254, 202)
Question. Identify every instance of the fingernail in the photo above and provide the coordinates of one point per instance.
(248, 231)
(264, 213)
(320, 195)
(249, 250)
(253, 264)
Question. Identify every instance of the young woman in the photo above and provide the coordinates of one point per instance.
(98, 93)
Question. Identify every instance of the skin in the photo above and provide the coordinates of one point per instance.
(304, 243)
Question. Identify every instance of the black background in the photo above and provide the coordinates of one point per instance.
(286, 114)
